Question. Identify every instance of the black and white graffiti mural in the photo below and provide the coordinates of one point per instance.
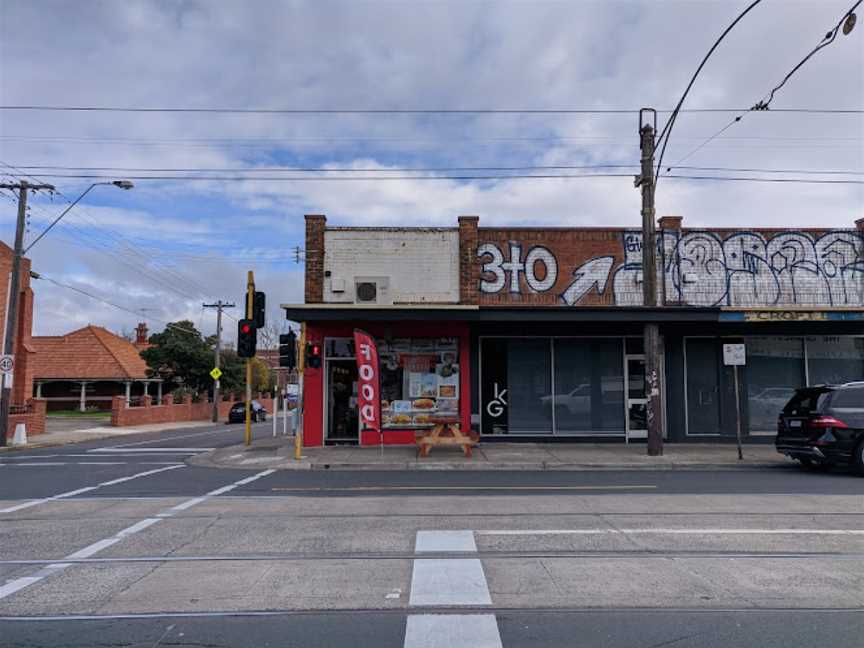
(696, 268)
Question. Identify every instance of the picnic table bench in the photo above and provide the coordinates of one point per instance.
(445, 432)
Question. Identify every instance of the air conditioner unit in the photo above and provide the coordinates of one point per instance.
(372, 291)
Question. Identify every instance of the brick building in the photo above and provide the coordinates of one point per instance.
(527, 333)
(87, 367)
(23, 378)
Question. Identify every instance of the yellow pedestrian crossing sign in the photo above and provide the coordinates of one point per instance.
(216, 373)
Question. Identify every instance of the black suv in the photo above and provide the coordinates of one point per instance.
(237, 413)
(824, 425)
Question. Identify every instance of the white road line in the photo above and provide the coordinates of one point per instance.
(448, 630)
(20, 583)
(445, 541)
(139, 451)
(172, 438)
(19, 507)
(662, 531)
(449, 582)
(120, 480)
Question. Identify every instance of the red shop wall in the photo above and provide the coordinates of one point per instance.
(313, 379)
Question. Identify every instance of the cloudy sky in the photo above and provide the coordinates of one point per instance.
(163, 248)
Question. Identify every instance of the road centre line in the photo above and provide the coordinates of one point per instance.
(19, 584)
(662, 531)
(25, 505)
(324, 489)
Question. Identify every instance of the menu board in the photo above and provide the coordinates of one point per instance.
(420, 381)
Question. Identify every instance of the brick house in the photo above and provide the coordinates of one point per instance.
(88, 367)
(23, 408)
(536, 333)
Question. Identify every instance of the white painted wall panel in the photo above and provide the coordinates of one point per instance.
(423, 265)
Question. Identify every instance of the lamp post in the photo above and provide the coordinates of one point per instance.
(9, 340)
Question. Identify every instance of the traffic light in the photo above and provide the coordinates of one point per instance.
(247, 338)
(288, 350)
(258, 307)
(313, 355)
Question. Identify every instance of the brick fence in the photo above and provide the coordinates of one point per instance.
(32, 416)
(171, 412)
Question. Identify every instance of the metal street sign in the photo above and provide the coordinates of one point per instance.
(7, 364)
(734, 355)
(216, 373)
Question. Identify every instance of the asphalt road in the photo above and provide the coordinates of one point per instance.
(120, 542)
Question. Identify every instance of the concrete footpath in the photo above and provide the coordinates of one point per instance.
(278, 453)
(65, 436)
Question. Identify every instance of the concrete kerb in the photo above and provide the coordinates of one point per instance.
(278, 455)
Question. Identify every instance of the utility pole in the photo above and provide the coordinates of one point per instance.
(12, 298)
(653, 382)
(219, 306)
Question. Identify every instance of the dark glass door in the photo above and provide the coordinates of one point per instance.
(342, 416)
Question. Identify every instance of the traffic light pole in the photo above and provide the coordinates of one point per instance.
(250, 297)
(219, 306)
(301, 363)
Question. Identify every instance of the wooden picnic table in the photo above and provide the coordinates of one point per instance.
(445, 432)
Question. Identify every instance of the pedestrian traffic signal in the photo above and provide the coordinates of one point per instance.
(313, 355)
(288, 350)
(247, 338)
(258, 307)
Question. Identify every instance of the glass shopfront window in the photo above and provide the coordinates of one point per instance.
(775, 368)
(419, 381)
(835, 359)
(589, 385)
(552, 386)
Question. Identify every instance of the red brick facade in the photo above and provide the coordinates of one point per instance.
(171, 412)
(469, 271)
(315, 226)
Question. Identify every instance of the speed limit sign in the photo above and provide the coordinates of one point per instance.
(7, 364)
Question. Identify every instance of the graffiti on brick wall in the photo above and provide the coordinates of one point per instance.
(697, 268)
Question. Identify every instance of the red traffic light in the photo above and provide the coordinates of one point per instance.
(245, 328)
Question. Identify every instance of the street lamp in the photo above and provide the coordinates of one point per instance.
(122, 184)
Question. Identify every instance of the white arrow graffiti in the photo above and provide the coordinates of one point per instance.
(591, 273)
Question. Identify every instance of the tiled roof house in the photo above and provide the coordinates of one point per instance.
(87, 367)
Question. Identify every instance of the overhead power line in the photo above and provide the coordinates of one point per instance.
(401, 111)
(112, 304)
(286, 169)
(571, 176)
(764, 105)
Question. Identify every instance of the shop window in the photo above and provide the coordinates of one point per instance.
(530, 396)
(832, 360)
(419, 380)
(589, 385)
(775, 368)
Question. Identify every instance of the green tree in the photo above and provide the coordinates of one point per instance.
(262, 378)
(181, 357)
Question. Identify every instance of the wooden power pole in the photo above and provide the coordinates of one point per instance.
(653, 377)
(219, 306)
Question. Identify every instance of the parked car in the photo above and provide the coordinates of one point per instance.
(824, 425)
(237, 414)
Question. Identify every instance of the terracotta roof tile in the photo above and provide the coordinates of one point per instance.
(91, 352)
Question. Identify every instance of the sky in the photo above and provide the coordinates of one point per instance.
(161, 250)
